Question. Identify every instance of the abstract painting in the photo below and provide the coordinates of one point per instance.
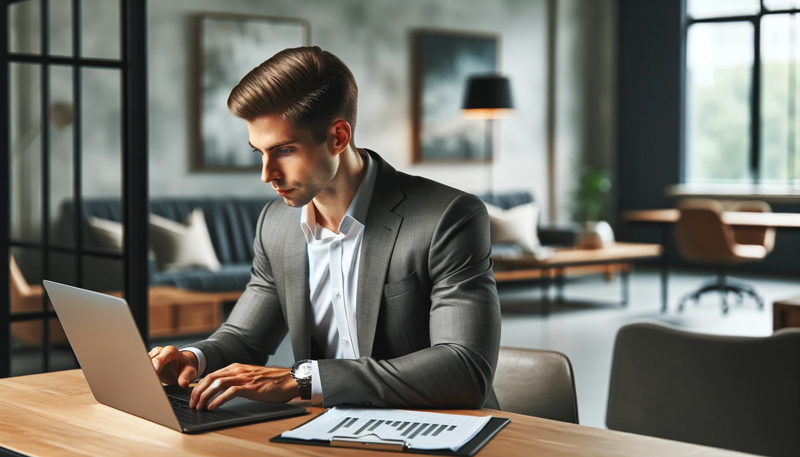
(228, 47)
(444, 61)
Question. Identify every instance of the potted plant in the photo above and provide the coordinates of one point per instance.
(591, 197)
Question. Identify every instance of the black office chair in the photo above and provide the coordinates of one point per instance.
(536, 383)
(739, 393)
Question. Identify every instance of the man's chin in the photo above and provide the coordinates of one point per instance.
(291, 202)
(295, 202)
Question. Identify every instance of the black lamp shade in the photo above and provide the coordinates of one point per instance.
(488, 96)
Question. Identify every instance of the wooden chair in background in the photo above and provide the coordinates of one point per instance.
(703, 238)
(27, 298)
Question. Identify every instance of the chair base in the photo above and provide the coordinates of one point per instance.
(724, 288)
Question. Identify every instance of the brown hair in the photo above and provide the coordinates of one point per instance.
(306, 86)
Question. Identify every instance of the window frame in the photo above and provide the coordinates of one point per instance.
(755, 84)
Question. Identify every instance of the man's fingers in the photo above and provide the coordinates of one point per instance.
(212, 389)
(229, 394)
(188, 374)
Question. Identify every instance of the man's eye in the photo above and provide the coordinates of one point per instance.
(256, 151)
(285, 151)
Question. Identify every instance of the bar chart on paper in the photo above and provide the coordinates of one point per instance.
(418, 430)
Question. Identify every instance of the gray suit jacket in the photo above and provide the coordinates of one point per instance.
(428, 312)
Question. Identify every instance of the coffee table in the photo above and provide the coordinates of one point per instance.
(552, 269)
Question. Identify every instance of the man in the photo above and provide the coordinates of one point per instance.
(383, 280)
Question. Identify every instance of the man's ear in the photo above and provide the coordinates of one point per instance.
(339, 136)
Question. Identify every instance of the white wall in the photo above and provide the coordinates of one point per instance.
(373, 37)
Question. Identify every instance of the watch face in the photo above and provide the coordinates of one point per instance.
(303, 370)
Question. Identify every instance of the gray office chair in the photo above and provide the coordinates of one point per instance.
(536, 383)
(739, 393)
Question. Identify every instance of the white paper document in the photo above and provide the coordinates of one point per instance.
(417, 430)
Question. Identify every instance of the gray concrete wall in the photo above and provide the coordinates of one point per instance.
(374, 38)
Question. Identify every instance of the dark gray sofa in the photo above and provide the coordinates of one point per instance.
(231, 224)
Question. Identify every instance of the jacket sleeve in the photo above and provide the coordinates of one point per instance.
(256, 325)
(457, 370)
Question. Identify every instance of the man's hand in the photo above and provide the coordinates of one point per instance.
(173, 366)
(267, 384)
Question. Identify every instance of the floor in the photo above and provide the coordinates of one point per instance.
(583, 327)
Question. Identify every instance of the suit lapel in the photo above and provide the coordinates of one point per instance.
(380, 234)
(298, 295)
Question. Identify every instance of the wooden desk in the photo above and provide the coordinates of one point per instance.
(666, 217)
(735, 218)
(786, 313)
(516, 267)
(55, 414)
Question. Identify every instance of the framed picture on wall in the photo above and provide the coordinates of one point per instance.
(228, 47)
(443, 62)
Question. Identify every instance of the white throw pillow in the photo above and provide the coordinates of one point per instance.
(516, 225)
(178, 246)
(108, 234)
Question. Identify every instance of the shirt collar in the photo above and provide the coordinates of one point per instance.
(356, 212)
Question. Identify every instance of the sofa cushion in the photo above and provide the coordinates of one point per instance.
(516, 225)
(229, 277)
(178, 246)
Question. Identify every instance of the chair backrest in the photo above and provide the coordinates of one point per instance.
(536, 383)
(19, 286)
(740, 393)
(700, 233)
(763, 236)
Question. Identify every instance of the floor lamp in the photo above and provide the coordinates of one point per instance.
(488, 97)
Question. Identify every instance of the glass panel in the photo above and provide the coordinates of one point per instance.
(62, 268)
(100, 29)
(102, 171)
(27, 355)
(61, 124)
(781, 4)
(719, 69)
(699, 9)
(24, 32)
(26, 280)
(102, 274)
(101, 130)
(61, 27)
(779, 98)
(61, 356)
(26, 152)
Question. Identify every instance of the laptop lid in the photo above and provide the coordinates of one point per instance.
(116, 364)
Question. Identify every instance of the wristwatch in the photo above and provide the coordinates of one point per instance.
(301, 372)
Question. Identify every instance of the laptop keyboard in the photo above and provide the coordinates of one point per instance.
(190, 416)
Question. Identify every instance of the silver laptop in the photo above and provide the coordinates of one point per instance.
(117, 367)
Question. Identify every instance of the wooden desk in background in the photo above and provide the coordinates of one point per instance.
(56, 414)
(665, 218)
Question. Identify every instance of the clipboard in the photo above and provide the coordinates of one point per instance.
(469, 448)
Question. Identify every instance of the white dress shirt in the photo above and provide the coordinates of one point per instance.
(333, 279)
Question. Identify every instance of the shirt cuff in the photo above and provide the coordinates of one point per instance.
(201, 361)
(316, 385)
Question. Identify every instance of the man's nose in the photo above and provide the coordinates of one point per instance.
(268, 172)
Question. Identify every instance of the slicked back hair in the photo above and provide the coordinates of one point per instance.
(306, 86)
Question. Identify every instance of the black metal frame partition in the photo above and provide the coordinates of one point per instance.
(133, 71)
(755, 101)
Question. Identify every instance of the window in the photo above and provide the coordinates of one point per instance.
(742, 91)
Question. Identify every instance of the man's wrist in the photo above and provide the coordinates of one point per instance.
(192, 358)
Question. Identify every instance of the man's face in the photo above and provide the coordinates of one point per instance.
(292, 162)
